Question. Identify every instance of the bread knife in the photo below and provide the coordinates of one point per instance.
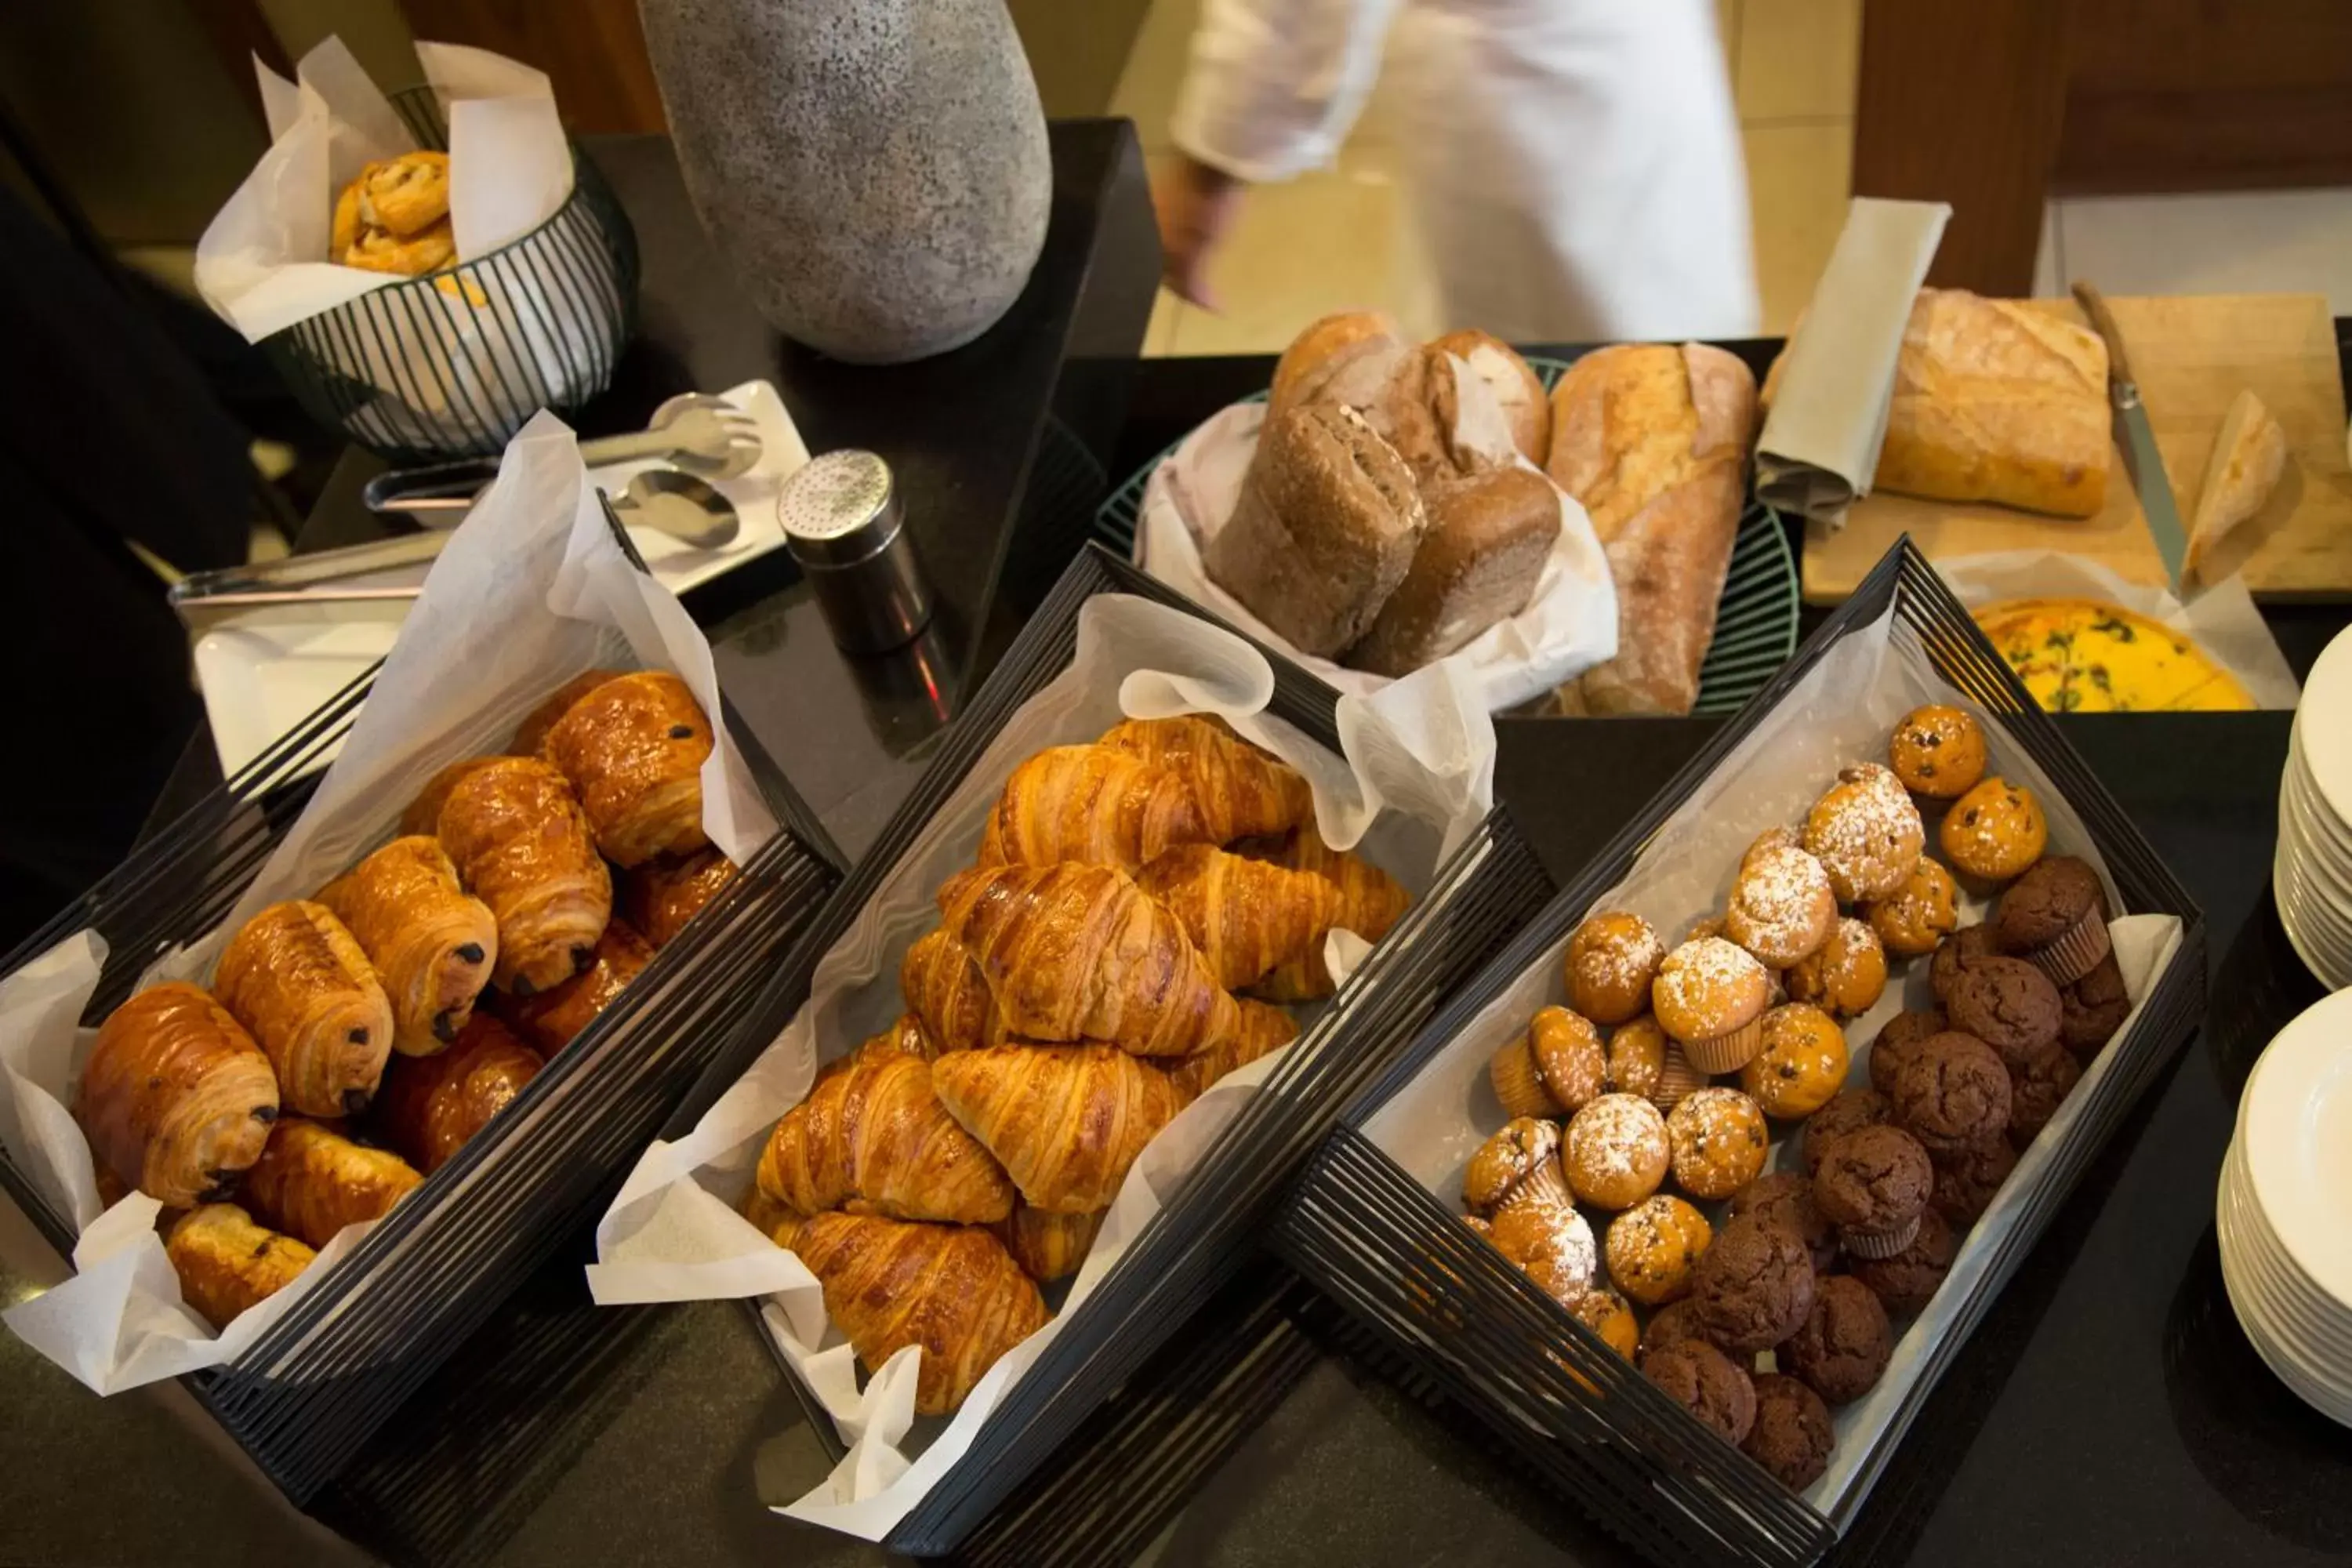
(2141, 459)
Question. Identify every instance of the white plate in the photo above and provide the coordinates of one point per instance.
(266, 671)
(2326, 740)
(2298, 1142)
(2324, 1330)
(2281, 1364)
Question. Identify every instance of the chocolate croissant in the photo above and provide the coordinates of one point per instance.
(664, 892)
(176, 1099)
(1248, 916)
(634, 749)
(532, 732)
(553, 1018)
(1370, 904)
(1066, 1121)
(1090, 804)
(432, 943)
(227, 1263)
(297, 979)
(428, 1106)
(944, 989)
(521, 845)
(876, 1133)
(311, 1181)
(1240, 792)
(1048, 1245)
(952, 1289)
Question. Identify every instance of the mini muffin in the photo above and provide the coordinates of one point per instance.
(1865, 832)
(1792, 1436)
(2091, 1010)
(1708, 1383)
(1872, 1184)
(1780, 908)
(1551, 1243)
(1617, 1151)
(1850, 1111)
(1802, 1062)
(1753, 1288)
(1916, 917)
(2009, 1004)
(1636, 1055)
(1952, 1094)
(2055, 918)
(2036, 1091)
(1677, 1078)
(1710, 995)
(1612, 959)
(1961, 950)
(1553, 1069)
(1719, 1142)
(1937, 752)
(1908, 1281)
(1897, 1040)
(1520, 1160)
(1675, 1323)
(1842, 1349)
(1847, 976)
(1608, 1314)
(1995, 831)
(1785, 1198)
(1653, 1247)
(1965, 1184)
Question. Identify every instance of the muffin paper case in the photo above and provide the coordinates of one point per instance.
(1842, 712)
(1417, 778)
(1570, 626)
(530, 591)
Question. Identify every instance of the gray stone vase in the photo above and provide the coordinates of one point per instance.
(875, 170)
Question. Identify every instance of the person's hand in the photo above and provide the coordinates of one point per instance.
(1195, 205)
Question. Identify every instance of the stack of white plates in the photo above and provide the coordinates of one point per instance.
(2285, 1211)
(2311, 872)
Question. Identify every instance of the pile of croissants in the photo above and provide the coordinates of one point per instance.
(1140, 907)
(352, 1013)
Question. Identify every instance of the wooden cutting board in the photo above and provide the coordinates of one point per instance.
(2192, 355)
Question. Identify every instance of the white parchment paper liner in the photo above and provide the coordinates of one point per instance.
(532, 590)
(1417, 779)
(1841, 712)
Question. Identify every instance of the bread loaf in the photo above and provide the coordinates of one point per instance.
(1323, 531)
(1344, 357)
(1518, 390)
(1478, 562)
(1442, 420)
(1654, 441)
(2249, 456)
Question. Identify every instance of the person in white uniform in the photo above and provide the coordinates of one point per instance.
(1574, 166)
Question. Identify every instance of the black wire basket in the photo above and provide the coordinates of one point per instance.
(452, 364)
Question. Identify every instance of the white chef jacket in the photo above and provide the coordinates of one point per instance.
(1574, 166)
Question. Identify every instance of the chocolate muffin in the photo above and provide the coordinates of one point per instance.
(1873, 1185)
(1961, 950)
(1905, 1282)
(2055, 918)
(1793, 1436)
(1753, 1287)
(1674, 1323)
(1850, 1111)
(1843, 1346)
(2009, 1004)
(2036, 1091)
(1895, 1041)
(1785, 1198)
(1965, 1184)
(1708, 1383)
(2091, 1010)
(1952, 1094)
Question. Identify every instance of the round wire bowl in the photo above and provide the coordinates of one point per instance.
(452, 364)
(1755, 620)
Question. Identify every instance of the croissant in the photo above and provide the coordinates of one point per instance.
(432, 945)
(664, 892)
(1065, 1120)
(945, 989)
(1370, 904)
(1246, 917)
(1265, 1030)
(952, 1289)
(521, 845)
(176, 1097)
(298, 983)
(553, 1018)
(311, 1181)
(1240, 792)
(634, 749)
(1048, 1245)
(428, 1106)
(227, 1263)
(876, 1133)
(423, 813)
(771, 1218)
(1090, 804)
(1074, 951)
(531, 734)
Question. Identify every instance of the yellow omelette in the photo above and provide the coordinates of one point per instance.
(2079, 656)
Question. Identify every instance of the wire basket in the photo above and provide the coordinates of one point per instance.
(453, 363)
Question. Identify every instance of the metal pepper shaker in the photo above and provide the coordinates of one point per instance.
(843, 522)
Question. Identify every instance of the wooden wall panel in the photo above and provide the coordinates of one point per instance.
(593, 50)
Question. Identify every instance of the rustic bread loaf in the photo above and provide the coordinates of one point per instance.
(1518, 390)
(1478, 562)
(1344, 357)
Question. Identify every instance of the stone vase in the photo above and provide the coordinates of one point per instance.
(874, 171)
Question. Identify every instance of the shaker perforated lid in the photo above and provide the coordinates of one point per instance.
(838, 509)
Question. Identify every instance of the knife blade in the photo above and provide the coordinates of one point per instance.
(2138, 439)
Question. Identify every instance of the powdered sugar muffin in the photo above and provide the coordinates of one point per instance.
(1708, 995)
(1865, 832)
(1556, 1067)
(1916, 917)
(1552, 1244)
(1719, 1142)
(1781, 906)
(1521, 1163)
(1847, 976)
(1653, 1247)
(1802, 1065)
(1611, 958)
(1637, 1055)
(1616, 1153)
(1995, 831)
